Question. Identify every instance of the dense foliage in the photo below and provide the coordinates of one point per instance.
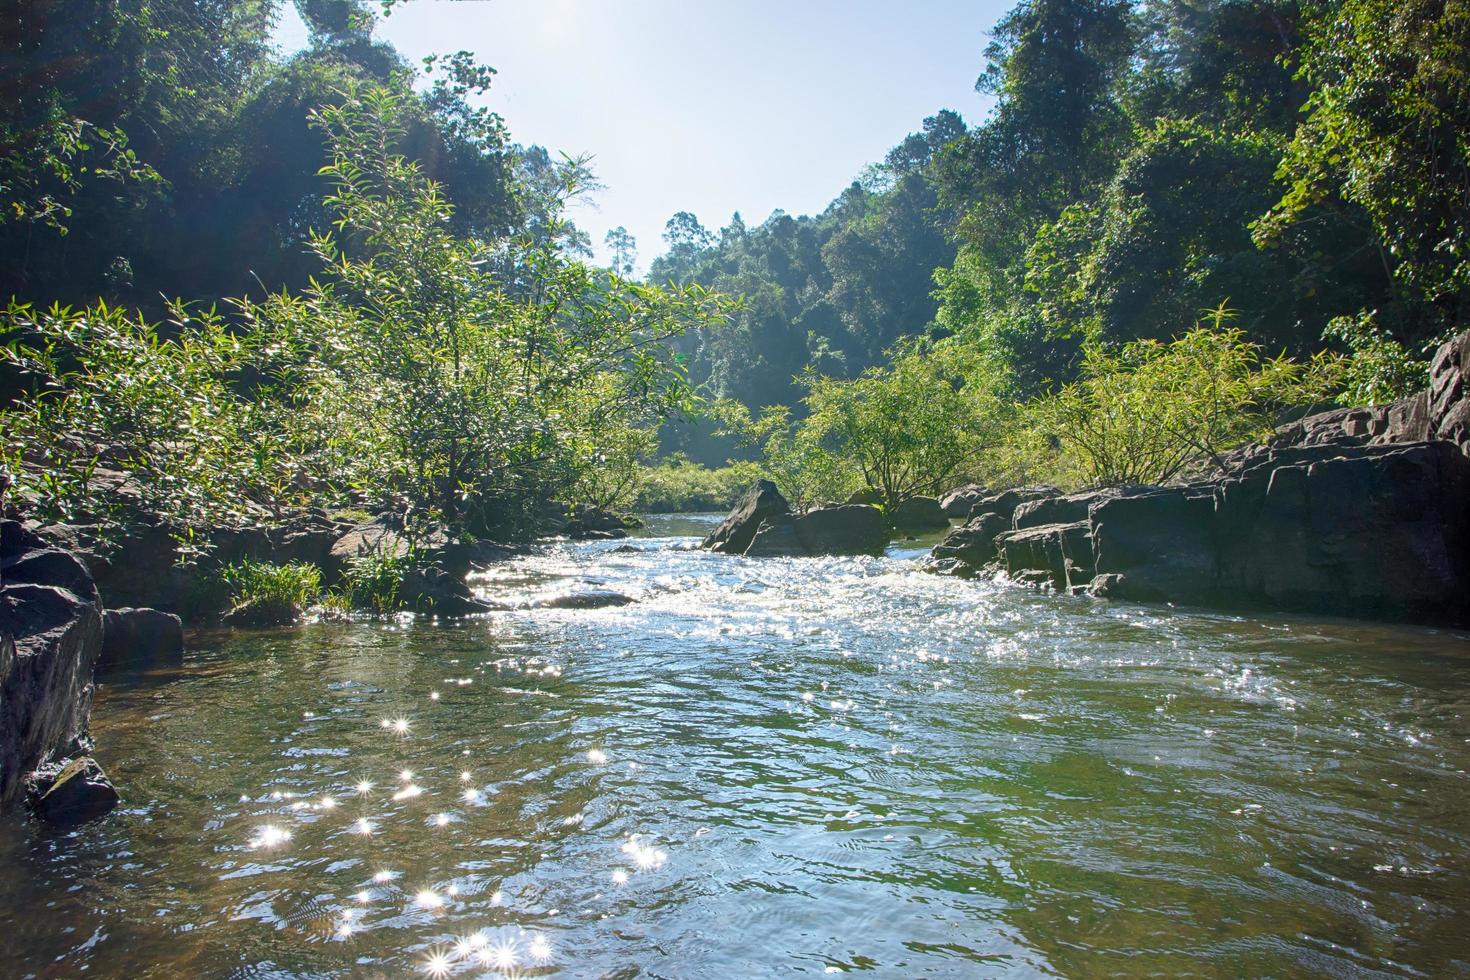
(1302, 161)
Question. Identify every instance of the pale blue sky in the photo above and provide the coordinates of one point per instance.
(708, 106)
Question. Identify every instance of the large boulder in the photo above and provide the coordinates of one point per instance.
(762, 502)
(851, 529)
(969, 548)
(1063, 509)
(1156, 545)
(1378, 531)
(140, 639)
(50, 638)
(959, 501)
(918, 514)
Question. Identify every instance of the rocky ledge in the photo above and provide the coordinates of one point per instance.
(50, 640)
(1356, 512)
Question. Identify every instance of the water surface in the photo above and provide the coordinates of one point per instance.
(771, 768)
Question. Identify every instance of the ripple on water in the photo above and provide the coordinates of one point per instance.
(771, 767)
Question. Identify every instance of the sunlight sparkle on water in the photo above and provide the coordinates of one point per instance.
(437, 965)
(408, 792)
(406, 775)
(383, 876)
(540, 949)
(364, 788)
(362, 826)
(270, 836)
(620, 877)
(429, 899)
(596, 756)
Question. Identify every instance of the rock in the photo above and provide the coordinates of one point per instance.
(595, 524)
(1377, 532)
(587, 599)
(918, 514)
(1156, 545)
(959, 501)
(1448, 404)
(852, 529)
(72, 793)
(968, 549)
(1059, 555)
(865, 496)
(431, 589)
(1353, 530)
(262, 613)
(760, 503)
(140, 639)
(1005, 503)
(1064, 509)
(381, 537)
(50, 638)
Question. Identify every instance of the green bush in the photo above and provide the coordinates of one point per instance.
(274, 593)
(373, 582)
(676, 485)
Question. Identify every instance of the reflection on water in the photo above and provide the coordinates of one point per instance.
(768, 768)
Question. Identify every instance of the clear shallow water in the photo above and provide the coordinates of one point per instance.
(772, 768)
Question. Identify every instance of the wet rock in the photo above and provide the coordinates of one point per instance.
(262, 613)
(140, 639)
(1060, 555)
(1157, 545)
(431, 589)
(969, 548)
(586, 599)
(961, 500)
(919, 514)
(851, 529)
(762, 502)
(50, 638)
(72, 793)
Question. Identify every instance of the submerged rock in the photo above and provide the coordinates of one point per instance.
(587, 599)
(140, 639)
(71, 793)
(762, 502)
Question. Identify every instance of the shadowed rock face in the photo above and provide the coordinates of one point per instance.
(919, 514)
(851, 529)
(140, 639)
(959, 501)
(968, 549)
(50, 638)
(762, 502)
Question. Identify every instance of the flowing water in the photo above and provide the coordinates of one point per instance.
(771, 768)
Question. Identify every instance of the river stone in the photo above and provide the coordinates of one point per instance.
(1156, 545)
(1006, 502)
(969, 548)
(918, 514)
(1059, 555)
(760, 503)
(139, 639)
(74, 793)
(959, 501)
(851, 529)
(586, 599)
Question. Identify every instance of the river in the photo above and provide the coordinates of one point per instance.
(771, 768)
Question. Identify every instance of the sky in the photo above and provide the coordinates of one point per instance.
(708, 106)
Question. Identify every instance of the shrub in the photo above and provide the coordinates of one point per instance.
(677, 485)
(265, 594)
(373, 582)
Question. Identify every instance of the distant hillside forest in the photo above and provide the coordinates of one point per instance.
(1304, 164)
(1179, 221)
